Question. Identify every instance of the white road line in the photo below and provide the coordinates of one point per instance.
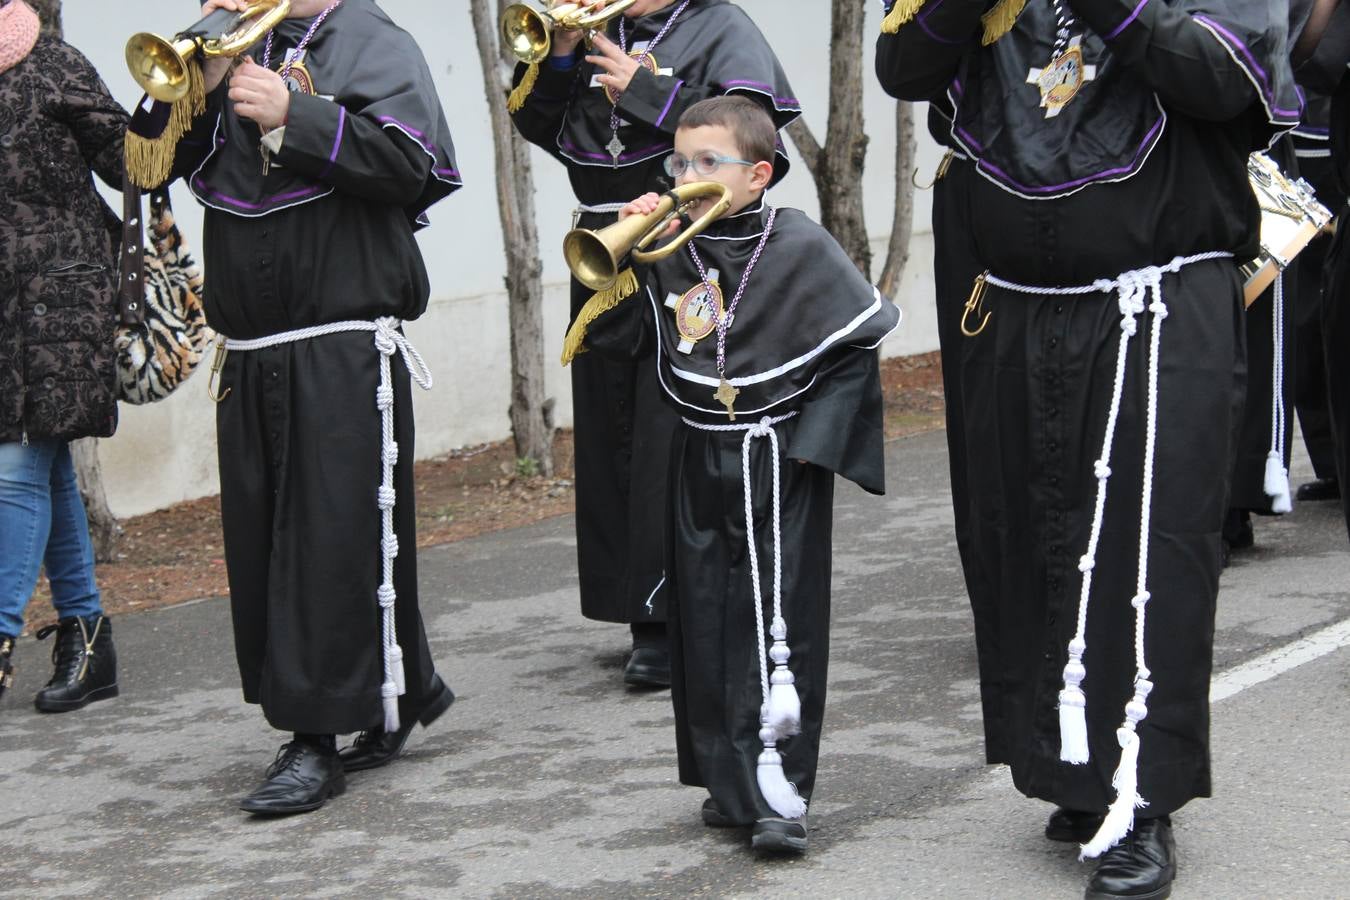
(1279, 660)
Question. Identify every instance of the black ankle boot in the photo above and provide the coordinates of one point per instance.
(6, 667)
(85, 664)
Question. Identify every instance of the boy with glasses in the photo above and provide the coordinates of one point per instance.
(765, 335)
(607, 112)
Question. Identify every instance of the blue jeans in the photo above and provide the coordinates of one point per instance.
(42, 520)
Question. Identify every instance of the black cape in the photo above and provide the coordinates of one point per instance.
(802, 340)
(622, 428)
(298, 432)
(1035, 383)
(372, 69)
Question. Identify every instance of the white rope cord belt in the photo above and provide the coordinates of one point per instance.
(388, 341)
(1132, 289)
(1276, 479)
(780, 714)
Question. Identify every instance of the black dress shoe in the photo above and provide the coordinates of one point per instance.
(300, 779)
(1073, 826)
(84, 664)
(713, 816)
(1141, 867)
(779, 836)
(376, 747)
(1237, 530)
(648, 667)
(1319, 489)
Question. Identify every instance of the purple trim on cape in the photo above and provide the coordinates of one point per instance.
(679, 82)
(783, 103)
(1253, 67)
(922, 20)
(1126, 24)
(337, 141)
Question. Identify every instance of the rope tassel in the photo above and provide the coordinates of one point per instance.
(1119, 819)
(778, 792)
(784, 709)
(1276, 481)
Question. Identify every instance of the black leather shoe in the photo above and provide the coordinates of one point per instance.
(84, 663)
(6, 667)
(376, 747)
(779, 836)
(648, 667)
(713, 816)
(1141, 867)
(1319, 489)
(1073, 826)
(1237, 530)
(300, 779)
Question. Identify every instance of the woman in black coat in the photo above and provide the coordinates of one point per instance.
(58, 125)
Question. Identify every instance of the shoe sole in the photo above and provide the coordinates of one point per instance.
(57, 706)
(647, 678)
(775, 842)
(336, 788)
(1067, 836)
(714, 819)
(1160, 894)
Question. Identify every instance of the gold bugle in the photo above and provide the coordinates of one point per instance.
(594, 256)
(160, 65)
(527, 26)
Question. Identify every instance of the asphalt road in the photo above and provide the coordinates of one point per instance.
(549, 779)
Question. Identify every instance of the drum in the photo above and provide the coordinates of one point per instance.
(1290, 218)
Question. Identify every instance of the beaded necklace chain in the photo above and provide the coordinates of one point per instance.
(299, 48)
(726, 393)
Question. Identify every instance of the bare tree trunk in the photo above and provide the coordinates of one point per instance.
(104, 531)
(837, 165)
(531, 411)
(49, 11)
(902, 222)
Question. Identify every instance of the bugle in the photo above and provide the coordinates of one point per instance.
(527, 26)
(160, 65)
(594, 256)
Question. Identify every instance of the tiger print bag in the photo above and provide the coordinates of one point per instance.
(162, 335)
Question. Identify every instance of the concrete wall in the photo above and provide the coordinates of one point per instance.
(165, 453)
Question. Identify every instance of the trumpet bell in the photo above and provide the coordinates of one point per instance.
(159, 66)
(526, 33)
(592, 260)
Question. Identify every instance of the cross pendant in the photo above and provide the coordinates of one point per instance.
(615, 148)
(726, 395)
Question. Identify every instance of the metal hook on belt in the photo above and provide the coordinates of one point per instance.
(217, 363)
(975, 304)
(943, 166)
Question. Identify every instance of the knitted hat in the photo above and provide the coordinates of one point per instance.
(18, 32)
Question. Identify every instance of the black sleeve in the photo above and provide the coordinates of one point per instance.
(541, 118)
(97, 121)
(840, 427)
(658, 100)
(356, 155)
(624, 332)
(195, 145)
(920, 60)
(1188, 67)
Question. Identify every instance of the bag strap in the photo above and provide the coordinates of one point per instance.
(131, 255)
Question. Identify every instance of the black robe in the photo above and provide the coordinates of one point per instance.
(1336, 294)
(325, 236)
(802, 340)
(622, 429)
(1147, 163)
(1312, 146)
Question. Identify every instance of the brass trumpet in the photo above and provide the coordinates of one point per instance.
(160, 66)
(527, 26)
(594, 256)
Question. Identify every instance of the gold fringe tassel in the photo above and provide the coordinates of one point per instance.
(1000, 20)
(149, 160)
(522, 90)
(900, 13)
(626, 285)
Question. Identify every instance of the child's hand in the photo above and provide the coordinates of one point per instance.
(643, 205)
